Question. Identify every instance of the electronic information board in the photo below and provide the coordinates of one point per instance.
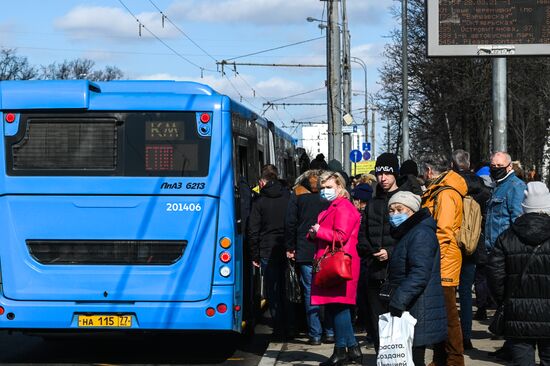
(488, 27)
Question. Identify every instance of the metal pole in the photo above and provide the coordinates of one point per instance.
(364, 66)
(499, 104)
(347, 85)
(330, 127)
(405, 116)
(335, 116)
(373, 133)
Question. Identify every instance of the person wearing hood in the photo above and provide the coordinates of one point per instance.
(304, 206)
(267, 245)
(319, 163)
(335, 166)
(519, 278)
(408, 178)
(414, 272)
(445, 190)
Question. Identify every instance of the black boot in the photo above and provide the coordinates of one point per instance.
(338, 357)
(355, 355)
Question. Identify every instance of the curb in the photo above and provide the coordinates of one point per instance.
(271, 354)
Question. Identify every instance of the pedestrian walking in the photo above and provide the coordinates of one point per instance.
(519, 278)
(267, 245)
(304, 206)
(460, 163)
(340, 223)
(319, 162)
(443, 197)
(414, 272)
(502, 210)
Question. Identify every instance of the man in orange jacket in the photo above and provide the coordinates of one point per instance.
(443, 197)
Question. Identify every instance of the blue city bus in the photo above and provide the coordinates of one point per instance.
(123, 205)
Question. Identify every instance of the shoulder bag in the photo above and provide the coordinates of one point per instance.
(334, 266)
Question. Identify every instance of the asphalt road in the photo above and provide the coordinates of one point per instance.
(143, 349)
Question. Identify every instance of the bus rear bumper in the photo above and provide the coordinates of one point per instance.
(171, 316)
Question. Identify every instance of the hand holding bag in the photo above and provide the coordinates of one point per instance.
(396, 339)
(292, 284)
(333, 268)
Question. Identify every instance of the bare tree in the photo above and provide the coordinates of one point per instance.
(13, 67)
(79, 69)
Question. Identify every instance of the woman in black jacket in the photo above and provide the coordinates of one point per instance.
(414, 272)
(519, 278)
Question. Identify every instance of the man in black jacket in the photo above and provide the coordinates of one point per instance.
(267, 244)
(304, 206)
(460, 163)
(375, 241)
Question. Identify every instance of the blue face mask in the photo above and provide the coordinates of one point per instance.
(328, 193)
(398, 219)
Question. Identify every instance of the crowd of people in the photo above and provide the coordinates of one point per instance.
(416, 238)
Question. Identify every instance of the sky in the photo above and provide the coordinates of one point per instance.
(196, 34)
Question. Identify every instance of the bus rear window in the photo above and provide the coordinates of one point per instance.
(158, 144)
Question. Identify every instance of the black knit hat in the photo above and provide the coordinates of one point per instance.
(409, 167)
(387, 163)
(362, 192)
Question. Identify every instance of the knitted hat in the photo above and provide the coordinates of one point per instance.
(387, 163)
(406, 198)
(537, 198)
(409, 167)
(362, 192)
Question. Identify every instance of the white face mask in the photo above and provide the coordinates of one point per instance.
(328, 193)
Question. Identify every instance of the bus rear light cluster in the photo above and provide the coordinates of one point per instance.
(210, 312)
(10, 117)
(2, 310)
(225, 257)
(225, 271)
(222, 308)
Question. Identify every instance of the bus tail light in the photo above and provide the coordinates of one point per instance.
(10, 117)
(205, 118)
(225, 242)
(225, 257)
(237, 307)
(222, 308)
(1, 310)
(225, 271)
(210, 312)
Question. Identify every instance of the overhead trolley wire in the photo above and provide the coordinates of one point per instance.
(141, 25)
(276, 48)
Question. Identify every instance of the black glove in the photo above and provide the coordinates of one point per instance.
(396, 312)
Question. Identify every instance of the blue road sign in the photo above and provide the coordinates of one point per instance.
(355, 156)
(366, 155)
(366, 146)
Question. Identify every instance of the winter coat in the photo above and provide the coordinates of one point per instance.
(409, 183)
(503, 208)
(481, 194)
(374, 234)
(414, 274)
(304, 206)
(527, 314)
(266, 225)
(340, 219)
(445, 205)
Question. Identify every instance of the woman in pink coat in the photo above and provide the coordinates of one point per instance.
(341, 221)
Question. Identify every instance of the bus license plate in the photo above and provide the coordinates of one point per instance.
(104, 321)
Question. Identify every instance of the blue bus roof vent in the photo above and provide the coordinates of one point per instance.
(46, 94)
(156, 86)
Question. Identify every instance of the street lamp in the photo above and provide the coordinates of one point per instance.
(364, 66)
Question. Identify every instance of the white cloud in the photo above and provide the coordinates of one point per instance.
(270, 12)
(97, 22)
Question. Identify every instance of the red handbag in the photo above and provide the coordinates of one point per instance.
(333, 268)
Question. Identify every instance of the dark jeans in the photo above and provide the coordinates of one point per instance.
(467, 276)
(483, 299)
(343, 329)
(450, 352)
(375, 308)
(523, 351)
(362, 305)
(315, 330)
(280, 308)
(419, 355)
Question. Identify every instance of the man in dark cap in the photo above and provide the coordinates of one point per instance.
(375, 242)
(361, 195)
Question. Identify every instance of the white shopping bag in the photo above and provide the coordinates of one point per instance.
(396, 340)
